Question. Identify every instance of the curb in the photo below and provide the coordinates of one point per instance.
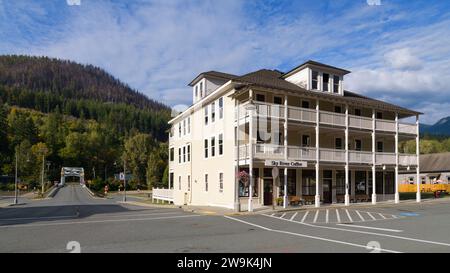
(134, 203)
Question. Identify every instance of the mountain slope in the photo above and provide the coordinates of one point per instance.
(69, 80)
(442, 127)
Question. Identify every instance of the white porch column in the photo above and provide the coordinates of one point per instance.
(397, 196)
(250, 167)
(236, 143)
(317, 197)
(285, 197)
(418, 160)
(347, 196)
(374, 176)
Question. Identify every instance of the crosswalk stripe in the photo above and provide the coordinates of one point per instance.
(283, 215)
(338, 216)
(326, 217)
(360, 216)
(315, 216)
(348, 215)
(371, 216)
(304, 216)
(293, 216)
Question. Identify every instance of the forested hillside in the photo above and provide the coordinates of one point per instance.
(77, 115)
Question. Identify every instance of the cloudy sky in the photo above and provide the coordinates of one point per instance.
(398, 51)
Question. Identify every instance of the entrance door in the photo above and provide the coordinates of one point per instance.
(268, 192)
(327, 182)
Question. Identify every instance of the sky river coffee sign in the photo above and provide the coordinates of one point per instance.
(285, 163)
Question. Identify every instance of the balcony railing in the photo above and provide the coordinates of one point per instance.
(301, 153)
(359, 122)
(407, 160)
(331, 118)
(360, 157)
(384, 158)
(269, 151)
(325, 117)
(331, 155)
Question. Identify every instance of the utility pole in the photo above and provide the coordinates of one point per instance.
(15, 183)
(124, 181)
(43, 170)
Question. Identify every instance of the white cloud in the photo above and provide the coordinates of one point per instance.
(403, 59)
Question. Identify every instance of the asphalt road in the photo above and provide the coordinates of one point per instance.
(104, 225)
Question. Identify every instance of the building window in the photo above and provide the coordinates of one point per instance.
(179, 183)
(171, 154)
(206, 182)
(171, 180)
(305, 104)
(179, 129)
(337, 109)
(260, 97)
(338, 143)
(184, 127)
(340, 182)
(360, 182)
(220, 108)
(206, 148)
(184, 154)
(315, 80)
(379, 115)
(326, 81)
(213, 146)
(357, 112)
(306, 141)
(189, 183)
(220, 144)
(213, 112)
(220, 182)
(291, 185)
(379, 146)
(244, 185)
(179, 155)
(206, 115)
(189, 125)
(358, 144)
(336, 84)
(189, 153)
(308, 182)
(277, 100)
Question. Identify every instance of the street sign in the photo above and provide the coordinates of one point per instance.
(285, 163)
(275, 172)
(122, 176)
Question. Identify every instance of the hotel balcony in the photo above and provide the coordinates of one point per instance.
(307, 115)
(277, 152)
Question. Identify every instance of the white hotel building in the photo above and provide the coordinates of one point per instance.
(346, 143)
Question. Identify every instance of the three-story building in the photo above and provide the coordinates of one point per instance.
(338, 146)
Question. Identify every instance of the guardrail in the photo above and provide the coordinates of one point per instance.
(162, 194)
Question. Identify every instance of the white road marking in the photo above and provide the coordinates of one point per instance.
(384, 229)
(282, 215)
(100, 221)
(371, 216)
(304, 216)
(338, 216)
(303, 235)
(129, 214)
(293, 216)
(360, 216)
(348, 215)
(272, 214)
(372, 233)
(326, 217)
(382, 216)
(315, 216)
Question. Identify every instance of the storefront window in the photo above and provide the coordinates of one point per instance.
(291, 182)
(308, 182)
(244, 185)
(340, 182)
(389, 187)
(360, 181)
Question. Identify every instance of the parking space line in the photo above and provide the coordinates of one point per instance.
(316, 216)
(338, 216)
(304, 216)
(293, 216)
(282, 215)
(360, 216)
(303, 235)
(348, 215)
(377, 228)
(382, 216)
(371, 216)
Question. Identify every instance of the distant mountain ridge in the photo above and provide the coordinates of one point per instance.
(69, 80)
(442, 127)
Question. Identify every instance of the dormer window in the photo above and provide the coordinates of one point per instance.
(336, 84)
(315, 80)
(326, 81)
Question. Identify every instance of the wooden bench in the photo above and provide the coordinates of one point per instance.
(295, 200)
(309, 199)
(340, 198)
(362, 198)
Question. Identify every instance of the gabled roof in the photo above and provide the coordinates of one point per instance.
(213, 74)
(310, 62)
(435, 162)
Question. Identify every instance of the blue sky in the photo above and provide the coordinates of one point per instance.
(398, 51)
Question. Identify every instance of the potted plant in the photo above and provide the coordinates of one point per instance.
(280, 201)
